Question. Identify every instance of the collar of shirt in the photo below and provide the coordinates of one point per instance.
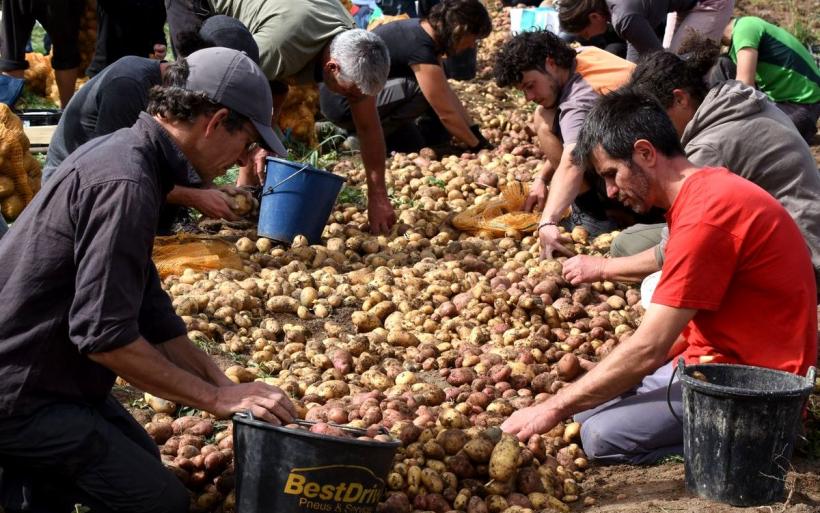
(175, 166)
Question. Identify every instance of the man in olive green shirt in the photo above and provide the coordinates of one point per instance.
(304, 41)
(779, 65)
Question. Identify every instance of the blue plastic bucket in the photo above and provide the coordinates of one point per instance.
(297, 199)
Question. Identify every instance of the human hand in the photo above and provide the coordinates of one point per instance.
(483, 142)
(264, 401)
(538, 196)
(584, 269)
(160, 51)
(380, 213)
(534, 420)
(215, 204)
(551, 240)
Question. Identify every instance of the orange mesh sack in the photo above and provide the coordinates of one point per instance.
(299, 113)
(172, 255)
(501, 215)
(19, 171)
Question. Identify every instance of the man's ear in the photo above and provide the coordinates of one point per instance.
(215, 120)
(681, 98)
(596, 17)
(644, 153)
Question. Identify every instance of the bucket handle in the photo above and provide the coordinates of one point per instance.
(678, 369)
(273, 187)
(307, 423)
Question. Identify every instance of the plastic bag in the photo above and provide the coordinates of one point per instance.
(500, 216)
(172, 255)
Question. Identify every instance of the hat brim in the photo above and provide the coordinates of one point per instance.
(269, 137)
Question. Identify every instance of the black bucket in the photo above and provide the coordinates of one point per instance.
(739, 428)
(281, 470)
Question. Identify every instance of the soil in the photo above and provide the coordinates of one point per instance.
(661, 489)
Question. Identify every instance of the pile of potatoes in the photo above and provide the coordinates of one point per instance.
(433, 334)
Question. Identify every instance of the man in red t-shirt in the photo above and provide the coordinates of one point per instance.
(737, 280)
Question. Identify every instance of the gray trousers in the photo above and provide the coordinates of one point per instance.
(400, 102)
(98, 456)
(637, 427)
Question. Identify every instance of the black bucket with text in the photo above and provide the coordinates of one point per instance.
(281, 470)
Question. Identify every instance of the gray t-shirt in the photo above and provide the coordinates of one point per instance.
(111, 100)
(737, 127)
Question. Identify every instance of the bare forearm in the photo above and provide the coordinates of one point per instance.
(564, 187)
(146, 368)
(373, 158)
(181, 352)
(184, 196)
(453, 119)
(631, 268)
(629, 362)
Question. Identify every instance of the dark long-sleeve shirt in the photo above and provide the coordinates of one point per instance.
(77, 275)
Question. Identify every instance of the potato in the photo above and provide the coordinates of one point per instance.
(160, 431)
(395, 503)
(496, 503)
(451, 440)
(364, 321)
(323, 428)
(479, 449)
(528, 480)
(282, 304)
(476, 505)
(460, 465)
(462, 376)
(432, 480)
(431, 502)
(568, 367)
(159, 405)
(504, 458)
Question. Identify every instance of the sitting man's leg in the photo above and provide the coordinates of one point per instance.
(804, 116)
(99, 457)
(635, 239)
(639, 428)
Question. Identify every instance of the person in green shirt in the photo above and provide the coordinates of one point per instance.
(772, 59)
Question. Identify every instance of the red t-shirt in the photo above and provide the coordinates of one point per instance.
(736, 256)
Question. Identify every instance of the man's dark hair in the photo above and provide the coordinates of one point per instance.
(529, 51)
(660, 72)
(620, 118)
(172, 101)
(573, 15)
(453, 19)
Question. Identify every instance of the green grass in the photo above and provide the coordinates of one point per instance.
(29, 100)
(353, 195)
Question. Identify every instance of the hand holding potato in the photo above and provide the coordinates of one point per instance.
(380, 213)
(214, 204)
(552, 240)
(264, 401)
(538, 196)
(584, 269)
(533, 420)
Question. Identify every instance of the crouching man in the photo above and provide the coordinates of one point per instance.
(737, 282)
(82, 302)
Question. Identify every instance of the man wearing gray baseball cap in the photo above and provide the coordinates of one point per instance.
(83, 303)
(114, 98)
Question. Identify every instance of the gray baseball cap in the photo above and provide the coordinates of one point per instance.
(230, 78)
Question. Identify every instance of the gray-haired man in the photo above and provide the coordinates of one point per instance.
(304, 41)
(89, 306)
